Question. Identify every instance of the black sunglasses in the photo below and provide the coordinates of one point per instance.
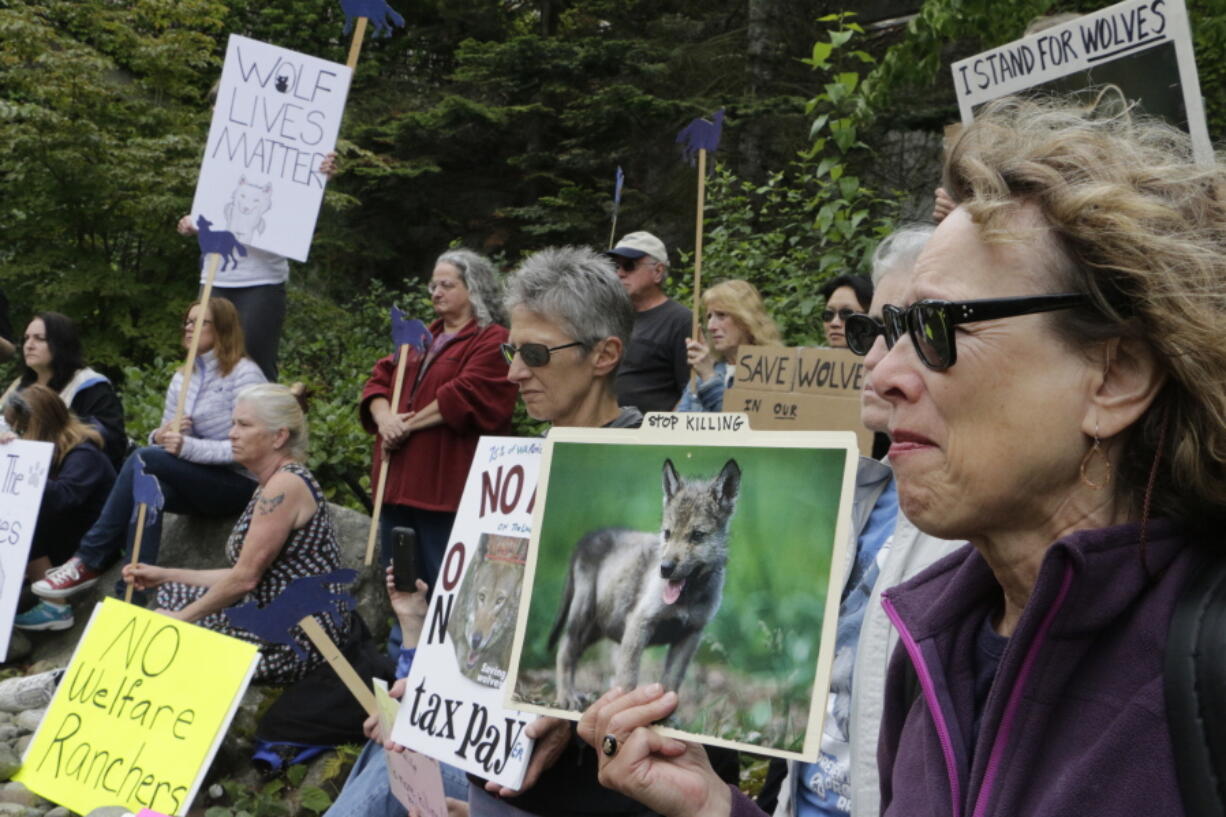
(844, 314)
(930, 324)
(533, 354)
(627, 264)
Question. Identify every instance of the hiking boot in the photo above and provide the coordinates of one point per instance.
(29, 691)
(45, 616)
(61, 582)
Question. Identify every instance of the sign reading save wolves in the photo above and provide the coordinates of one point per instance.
(452, 707)
(1144, 47)
(701, 560)
(139, 713)
(276, 117)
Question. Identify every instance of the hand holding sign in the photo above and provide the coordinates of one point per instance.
(147, 503)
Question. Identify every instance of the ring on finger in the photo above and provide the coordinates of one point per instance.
(608, 746)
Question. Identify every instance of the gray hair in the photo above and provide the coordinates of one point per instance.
(277, 407)
(576, 288)
(900, 249)
(484, 291)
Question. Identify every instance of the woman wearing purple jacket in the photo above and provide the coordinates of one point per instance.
(1055, 379)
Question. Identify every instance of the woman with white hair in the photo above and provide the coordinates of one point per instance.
(450, 396)
(285, 533)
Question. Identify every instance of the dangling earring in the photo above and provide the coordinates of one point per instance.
(1085, 463)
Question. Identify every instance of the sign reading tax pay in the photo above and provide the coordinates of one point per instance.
(277, 116)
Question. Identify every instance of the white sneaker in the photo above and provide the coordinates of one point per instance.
(29, 691)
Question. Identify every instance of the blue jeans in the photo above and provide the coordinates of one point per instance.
(203, 490)
(367, 794)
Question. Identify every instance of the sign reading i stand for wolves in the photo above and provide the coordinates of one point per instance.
(139, 714)
(709, 561)
(276, 117)
(452, 706)
(1144, 47)
(24, 466)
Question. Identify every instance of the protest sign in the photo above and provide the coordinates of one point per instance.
(1144, 47)
(139, 714)
(801, 388)
(414, 779)
(276, 118)
(452, 707)
(708, 561)
(23, 476)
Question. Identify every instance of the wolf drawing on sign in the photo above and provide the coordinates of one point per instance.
(640, 589)
(246, 208)
(221, 242)
(487, 606)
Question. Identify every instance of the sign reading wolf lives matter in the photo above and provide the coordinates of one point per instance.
(701, 560)
(277, 115)
(24, 467)
(1144, 47)
(139, 713)
(452, 706)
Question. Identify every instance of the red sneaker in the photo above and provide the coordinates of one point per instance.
(61, 582)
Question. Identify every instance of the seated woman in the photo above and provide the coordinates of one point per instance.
(193, 463)
(285, 533)
(735, 316)
(845, 295)
(1052, 374)
(51, 356)
(77, 486)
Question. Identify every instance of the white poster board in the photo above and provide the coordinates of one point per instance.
(1142, 46)
(277, 115)
(452, 706)
(24, 467)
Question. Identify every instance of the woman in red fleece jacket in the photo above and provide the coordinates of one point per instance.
(451, 396)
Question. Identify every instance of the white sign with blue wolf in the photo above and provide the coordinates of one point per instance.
(708, 561)
(276, 117)
(24, 470)
(452, 707)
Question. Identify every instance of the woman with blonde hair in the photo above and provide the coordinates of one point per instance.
(192, 461)
(78, 483)
(736, 316)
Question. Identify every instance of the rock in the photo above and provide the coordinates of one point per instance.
(199, 542)
(10, 761)
(9, 732)
(19, 647)
(110, 811)
(15, 792)
(59, 811)
(30, 719)
(20, 747)
(12, 810)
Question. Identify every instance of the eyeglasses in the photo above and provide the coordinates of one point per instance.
(627, 264)
(191, 324)
(533, 354)
(844, 314)
(445, 284)
(930, 324)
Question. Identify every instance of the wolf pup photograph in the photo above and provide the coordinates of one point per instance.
(483, 621)
(700, 567)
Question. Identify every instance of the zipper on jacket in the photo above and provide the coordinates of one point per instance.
(1015, 696)
(930, 698)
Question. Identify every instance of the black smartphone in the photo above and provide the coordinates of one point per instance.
(404, 559)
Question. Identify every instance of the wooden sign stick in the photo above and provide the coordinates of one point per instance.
(382, 483)
(702, 194)
(332, 654)
(355, 47)
(189, 366)
(141, 509)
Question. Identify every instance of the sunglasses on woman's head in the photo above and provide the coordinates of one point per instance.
(844, 314)
(930, 324)
(533, 354)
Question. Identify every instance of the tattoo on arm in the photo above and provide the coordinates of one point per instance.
(268, 504)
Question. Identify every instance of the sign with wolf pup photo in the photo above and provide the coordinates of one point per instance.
(276, 117)
(452, 709)
(708, 561)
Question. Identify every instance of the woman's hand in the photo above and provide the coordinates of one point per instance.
(328, 165)
(371, 726)
(699, 357)
(7, 437)
(144, 577)
(184, 426)
(185, 226)
(942, 205)
(172, 442)
(394, 428)
(551, 736)
(409, 607)
(669, 776)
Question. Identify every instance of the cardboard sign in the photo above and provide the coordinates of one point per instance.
(414, 779)
(139, 714)
(711, 562)
(1142, 46)
(23, 476)
(277, 115)
(799, 389)
(452, 707)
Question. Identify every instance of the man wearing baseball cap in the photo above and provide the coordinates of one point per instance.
(653, 371)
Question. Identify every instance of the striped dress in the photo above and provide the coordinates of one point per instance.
(312, 550)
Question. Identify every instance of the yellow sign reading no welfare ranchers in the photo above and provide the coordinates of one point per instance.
(139, 714)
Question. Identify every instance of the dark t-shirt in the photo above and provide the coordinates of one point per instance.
(653, 372)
